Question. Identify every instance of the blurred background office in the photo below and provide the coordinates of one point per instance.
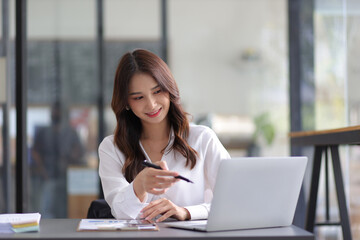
(232, 59)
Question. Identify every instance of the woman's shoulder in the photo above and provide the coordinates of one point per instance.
(107, 143)
(108, 148)
(108, 139)
(201, 130)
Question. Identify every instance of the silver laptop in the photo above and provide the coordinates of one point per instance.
(253, 192)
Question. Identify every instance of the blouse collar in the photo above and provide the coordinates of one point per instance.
(168, 146)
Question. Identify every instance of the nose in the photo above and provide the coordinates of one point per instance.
(151, 103)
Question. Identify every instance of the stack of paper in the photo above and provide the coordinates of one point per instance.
(19, 222)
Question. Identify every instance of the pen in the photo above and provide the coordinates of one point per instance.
(149, 164)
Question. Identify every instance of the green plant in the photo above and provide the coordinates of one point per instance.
(264, 128)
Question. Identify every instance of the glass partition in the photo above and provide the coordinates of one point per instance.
(127, 27)
(7, 143)
(62, 107)
(337, 102)
(353, 109)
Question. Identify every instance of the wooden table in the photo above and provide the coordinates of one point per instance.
(322, 142)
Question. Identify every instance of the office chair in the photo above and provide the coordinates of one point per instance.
(99, 209)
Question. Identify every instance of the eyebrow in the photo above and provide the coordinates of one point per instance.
(135, 93)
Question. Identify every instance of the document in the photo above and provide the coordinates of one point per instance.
(116, 225)
(19, 222)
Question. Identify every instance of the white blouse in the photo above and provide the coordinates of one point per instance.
(196, 197)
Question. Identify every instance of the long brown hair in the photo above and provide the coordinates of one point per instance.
(128, 129)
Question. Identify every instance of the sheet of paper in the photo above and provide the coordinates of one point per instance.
(18, 218)
(93, 224)
(112, 224)
(6, 228)
(27, 229)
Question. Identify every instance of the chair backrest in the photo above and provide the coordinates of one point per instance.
(99, 209)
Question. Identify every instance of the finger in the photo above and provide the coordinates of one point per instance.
(158, 185)
(152, 204)
(150, 181)
(154, 209)
(165, 179)
(163, 165)
(157, 172)
(152, 213)
(166, 215)
(151, 207)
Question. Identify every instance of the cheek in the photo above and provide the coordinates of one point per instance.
(166, 99)
(133, 104)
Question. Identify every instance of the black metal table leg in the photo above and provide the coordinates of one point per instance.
(327, 199)
(344, 218)
(311, 210)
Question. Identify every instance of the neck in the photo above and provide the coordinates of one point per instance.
(156, 132)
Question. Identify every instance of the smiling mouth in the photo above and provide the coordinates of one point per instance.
(154, 114)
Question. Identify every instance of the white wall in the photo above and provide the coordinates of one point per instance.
(207, 39)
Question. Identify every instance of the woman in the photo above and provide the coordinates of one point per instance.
(152, 125)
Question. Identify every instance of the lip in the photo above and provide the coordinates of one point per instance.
(154, 114)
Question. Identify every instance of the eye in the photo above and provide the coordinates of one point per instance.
(138, 98)
(158, 91)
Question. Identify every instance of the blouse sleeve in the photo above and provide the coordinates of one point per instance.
(212, 152)
(118, 192)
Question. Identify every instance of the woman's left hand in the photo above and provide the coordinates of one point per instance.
(166, 208)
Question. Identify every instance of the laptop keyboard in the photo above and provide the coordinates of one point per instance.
(193, 223)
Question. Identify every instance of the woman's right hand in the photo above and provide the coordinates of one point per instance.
(154, 181)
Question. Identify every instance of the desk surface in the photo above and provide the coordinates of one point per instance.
(66, 229)
(347, 135)
(328, 131)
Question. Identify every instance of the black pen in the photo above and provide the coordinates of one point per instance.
(149, 164)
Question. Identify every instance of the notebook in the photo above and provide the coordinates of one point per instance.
(252, 192)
